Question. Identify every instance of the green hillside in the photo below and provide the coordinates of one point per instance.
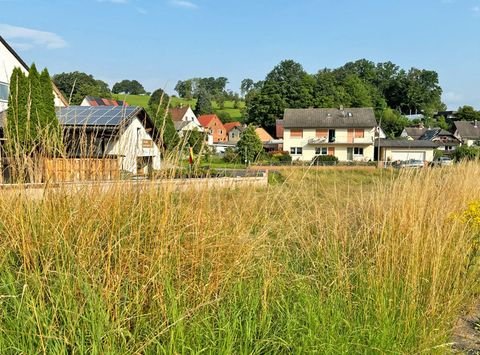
(142, 100)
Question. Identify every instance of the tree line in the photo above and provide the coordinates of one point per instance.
(384, 86)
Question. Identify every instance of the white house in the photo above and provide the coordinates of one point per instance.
(346, 133)
(468, 132)
(185, 114)
(10, 60)
(126, 133)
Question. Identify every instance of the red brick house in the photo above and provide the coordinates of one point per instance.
(214, 127)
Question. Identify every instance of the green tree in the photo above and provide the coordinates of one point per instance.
(286, 86)
(76, 85)
(393, 123)
(204, 105)
(468, 113)
(246, 86)
(158, 109)
(196, 140)
(49, 121)
(132, 87)
(185, 89)
(17, 131)
(32, 125)
(249, 146)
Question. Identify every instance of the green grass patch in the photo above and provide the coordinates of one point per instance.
(142, 101)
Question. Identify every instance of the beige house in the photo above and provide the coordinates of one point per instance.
(346, 133)
(468, 132)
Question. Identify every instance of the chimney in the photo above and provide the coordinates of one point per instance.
(341, 107)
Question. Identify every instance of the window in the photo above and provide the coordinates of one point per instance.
(3, 92)
(296, 150)
(331, 135)
(357, 151)
(321, 133)
(296, 133)
(359, 133)
(321, 151)
(449, 147)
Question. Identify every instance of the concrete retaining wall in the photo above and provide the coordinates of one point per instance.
(38, 191)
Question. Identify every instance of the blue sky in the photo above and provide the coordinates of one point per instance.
(159, 42)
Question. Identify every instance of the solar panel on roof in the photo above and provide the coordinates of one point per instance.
(95, 116)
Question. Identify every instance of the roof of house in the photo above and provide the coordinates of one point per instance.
(415, 132)
(178, 113)
(329, 118)
(231, 125)
(26, 67)
(104, 117)
(263, 135)
(468, 129)
(405, 143)
(179, 125)
(98, 101)
(205, 120)
(435, 132)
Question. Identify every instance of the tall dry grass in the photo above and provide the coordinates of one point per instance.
(327, 261)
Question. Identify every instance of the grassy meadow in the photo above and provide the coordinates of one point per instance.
(142, 100)
(320, 261)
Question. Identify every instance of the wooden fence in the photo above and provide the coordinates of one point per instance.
(64, 170)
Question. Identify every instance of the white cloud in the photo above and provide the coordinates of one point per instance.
(476, 10)
(184, 3)
(30, 38)
(141, 10)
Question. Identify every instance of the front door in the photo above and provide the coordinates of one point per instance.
(349, 154)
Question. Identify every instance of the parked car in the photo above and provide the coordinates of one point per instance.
(442, 161)
(411, 163)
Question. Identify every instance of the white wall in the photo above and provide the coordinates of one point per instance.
(129, 147)
(7, 63)
(341, 144)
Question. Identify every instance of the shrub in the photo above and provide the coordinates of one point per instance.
(466, 153)
(230, 155)
(325, 160)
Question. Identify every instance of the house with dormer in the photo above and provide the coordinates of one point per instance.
(347, 133)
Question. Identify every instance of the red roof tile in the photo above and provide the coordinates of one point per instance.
(231, 125)
(178, 113)
(206, 119)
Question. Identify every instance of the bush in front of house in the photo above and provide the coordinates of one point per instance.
(466, 153)
(325, 160)
(279, 156)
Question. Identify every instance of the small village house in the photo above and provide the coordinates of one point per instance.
(346, 133)
(98, 101)
(112, 132)
(10, 60)
(214, 127)
(445, 141)
(234, 130)
(468, 132)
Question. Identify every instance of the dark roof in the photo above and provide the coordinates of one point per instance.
(104, 117)
(415, 132)
(467, 129)
(432, 133)
(405, 143)
(98, 101)
(329, 118)
(96, 115)
(11, 50)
